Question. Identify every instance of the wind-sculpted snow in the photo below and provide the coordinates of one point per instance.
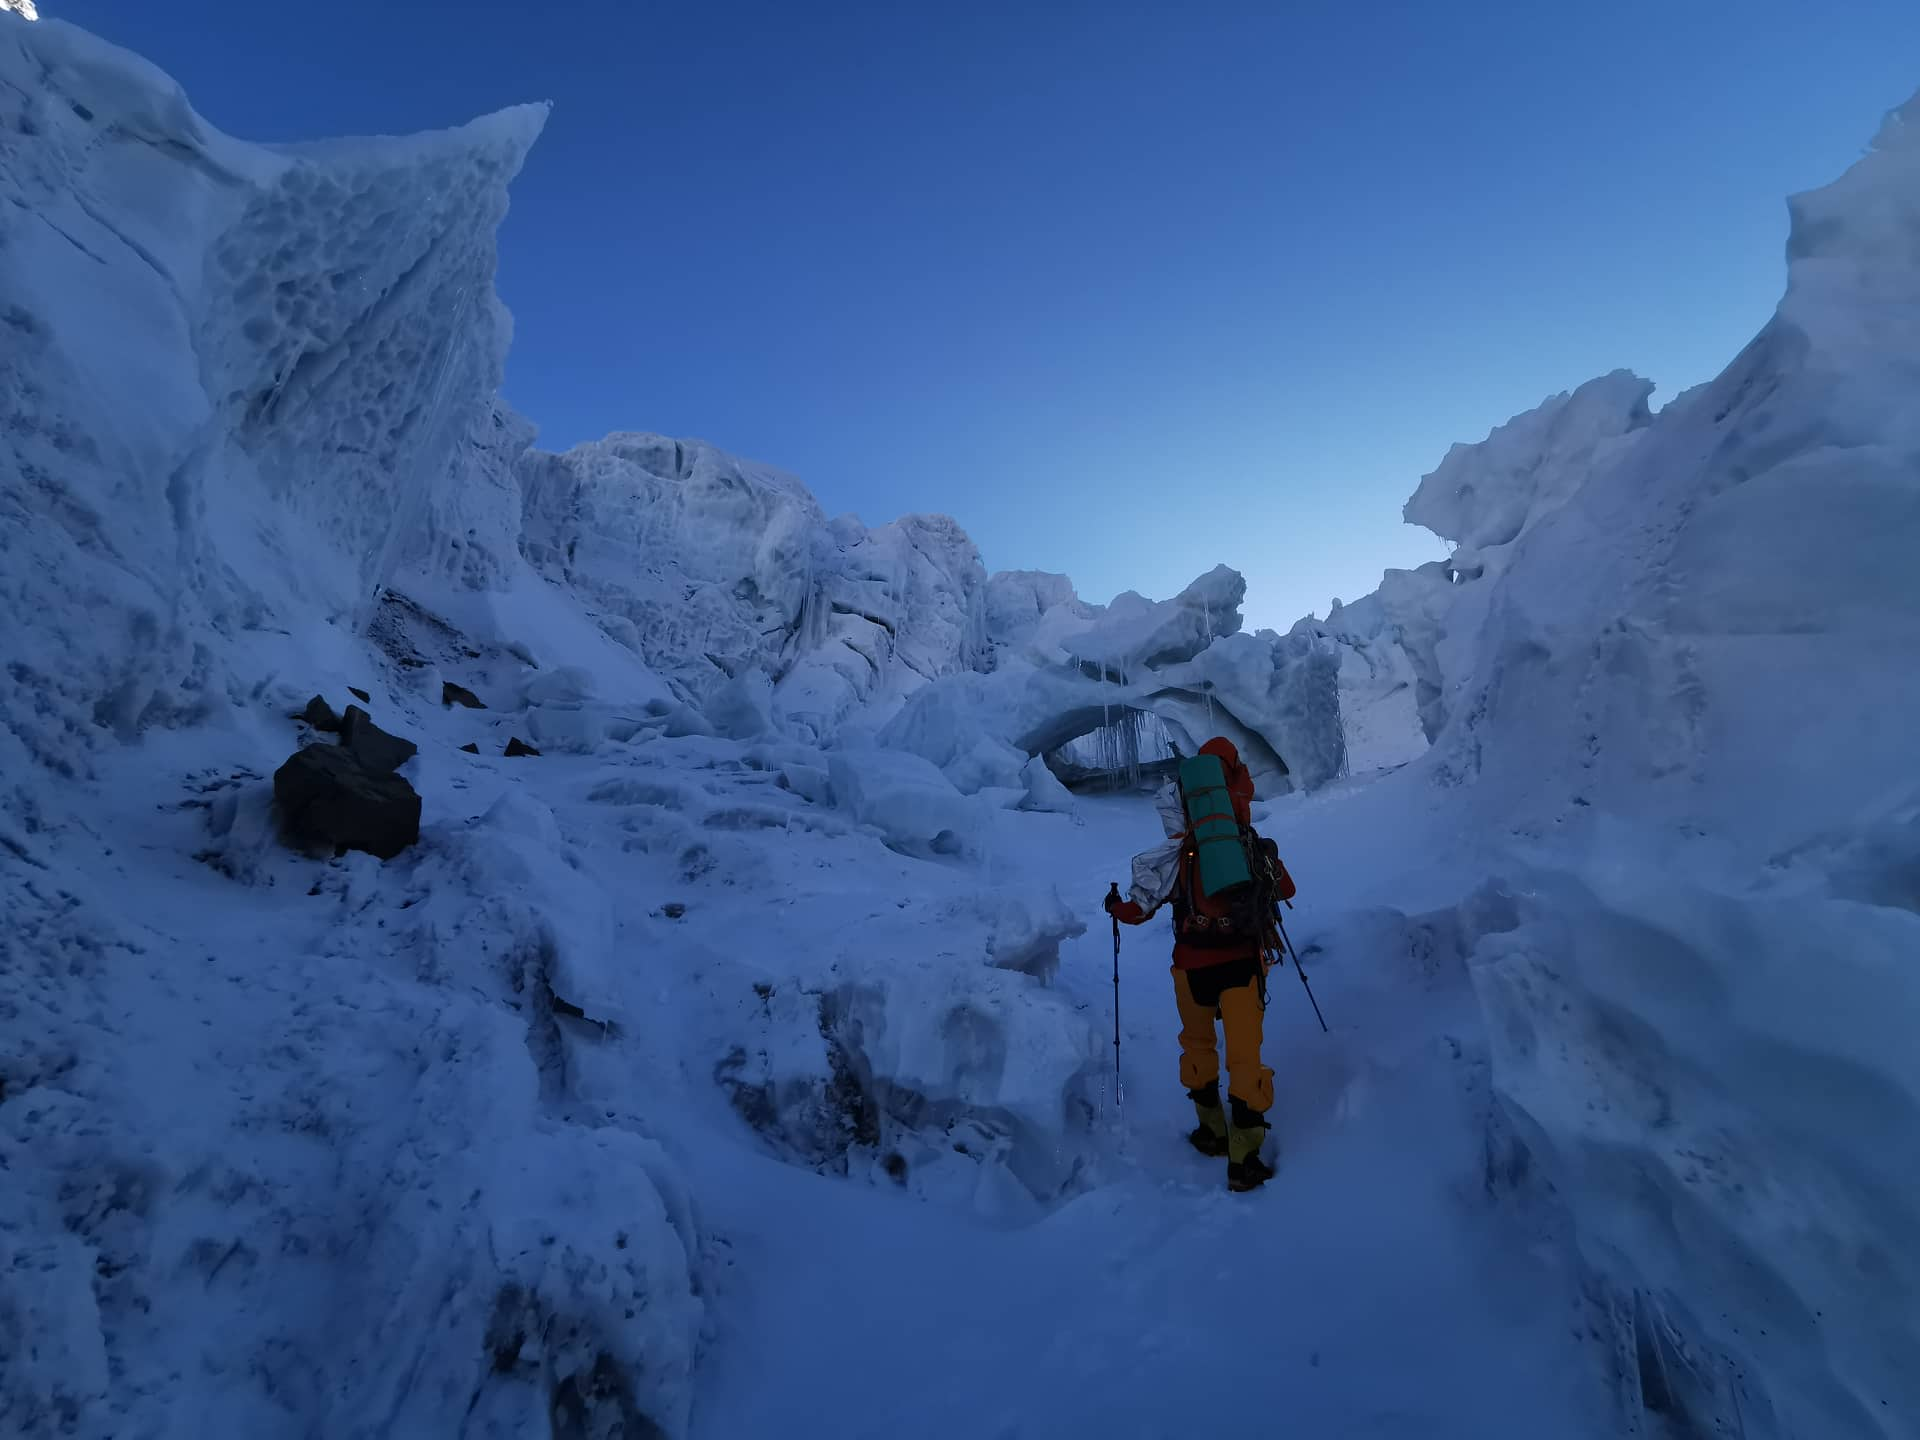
(1184, 661)
(1728, 1103)
(1409, 642)
(1483, 497)
(1663, 681)
(709, 566)
(232, 378)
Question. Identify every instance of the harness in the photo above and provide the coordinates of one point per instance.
(1250, 920)
(1236, 929)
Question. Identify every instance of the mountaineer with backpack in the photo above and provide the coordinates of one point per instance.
(1224, 882)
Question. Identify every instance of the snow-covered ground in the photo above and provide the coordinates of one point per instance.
(742, 1063)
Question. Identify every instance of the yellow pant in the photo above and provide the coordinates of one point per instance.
(1249, 1081)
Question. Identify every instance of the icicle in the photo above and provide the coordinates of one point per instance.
(896, 593)
(1103, 742)
(1206, 688)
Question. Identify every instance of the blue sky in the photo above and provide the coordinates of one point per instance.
(1129, 289)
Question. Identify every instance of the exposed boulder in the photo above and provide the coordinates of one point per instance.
(327, 797)
(373, 747)
(452, 694)
(320, 715)
(517, 746)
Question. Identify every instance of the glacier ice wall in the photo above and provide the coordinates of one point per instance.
(711, 568)
(1405, 649)
(1071, 669)
(1668, 683)
(235, 383)
(318, 335)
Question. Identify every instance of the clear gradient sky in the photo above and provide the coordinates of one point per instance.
(1129, 289)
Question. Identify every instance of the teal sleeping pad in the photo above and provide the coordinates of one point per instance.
(1222, 859)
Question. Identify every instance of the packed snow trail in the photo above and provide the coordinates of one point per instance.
(1380, 1286)
(1371, 1289)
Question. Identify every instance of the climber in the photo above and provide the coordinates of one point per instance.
(1219, 972)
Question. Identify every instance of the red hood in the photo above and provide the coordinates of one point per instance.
(1224, 748)
(1239, 782)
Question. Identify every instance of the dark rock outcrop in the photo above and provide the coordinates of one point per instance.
(320, 715)
(373, 747)
(362, 696)
(452, 694)
(327, 797)
(517, 746)
(470, 748)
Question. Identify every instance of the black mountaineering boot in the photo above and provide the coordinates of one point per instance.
(1245, 1169)
(1209, 1137)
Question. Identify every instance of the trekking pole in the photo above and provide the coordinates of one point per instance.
(1113, 894)
(1297, 969)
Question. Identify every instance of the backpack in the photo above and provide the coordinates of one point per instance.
(1231, 876)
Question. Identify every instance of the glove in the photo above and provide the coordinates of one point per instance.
(1112, 901)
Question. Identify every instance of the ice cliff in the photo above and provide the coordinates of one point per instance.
(317, 324)
(1665, 676)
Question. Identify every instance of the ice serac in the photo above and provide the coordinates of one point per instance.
(233, 381)
(708, 566)
(1063, 669)
(1379, 684)
(1668, 666)
(711, 567)
(1486, 495)
(1136, 635)
(1407, 646)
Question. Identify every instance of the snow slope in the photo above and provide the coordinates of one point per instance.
(743, 1064)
